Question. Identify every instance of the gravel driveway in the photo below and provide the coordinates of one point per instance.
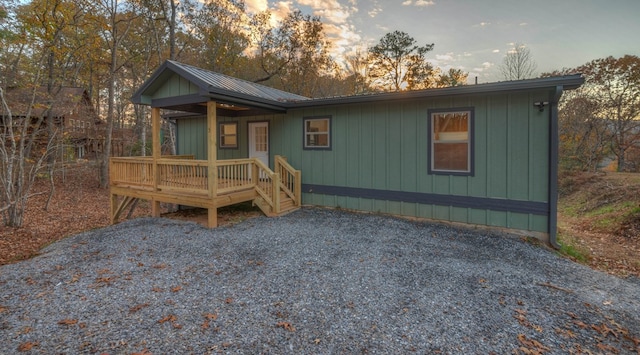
(313, 282)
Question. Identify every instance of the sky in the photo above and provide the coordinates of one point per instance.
(475, 35)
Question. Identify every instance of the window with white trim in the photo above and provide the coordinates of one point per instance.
(228, 135)
(451, 143)
(317, 133)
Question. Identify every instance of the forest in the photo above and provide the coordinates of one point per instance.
(108, 48)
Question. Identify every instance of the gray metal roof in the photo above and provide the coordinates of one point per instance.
(232, 90)
(568, 82)
(217, 81)
(212, 84)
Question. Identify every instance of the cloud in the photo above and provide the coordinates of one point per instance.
(424, 3)
(444, 57)
(375, 11)
(496, 51)
(254, 6)
(419, 3)
(485, 66)
(523, 24)
(329, 10)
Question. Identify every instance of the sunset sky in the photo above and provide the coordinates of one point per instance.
(474, 35)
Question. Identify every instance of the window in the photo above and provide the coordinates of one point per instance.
(71, 123)
(451, 140)
(228, 135)
(317, 133)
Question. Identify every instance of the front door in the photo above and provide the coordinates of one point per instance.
(259, 141)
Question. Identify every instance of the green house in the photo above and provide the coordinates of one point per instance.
(482, 155)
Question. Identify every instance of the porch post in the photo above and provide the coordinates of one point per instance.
(156, 153)
(212, 158)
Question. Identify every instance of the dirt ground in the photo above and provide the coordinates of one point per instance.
(599, 213)
(79, 205)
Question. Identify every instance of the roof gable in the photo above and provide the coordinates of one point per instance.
(208, 85)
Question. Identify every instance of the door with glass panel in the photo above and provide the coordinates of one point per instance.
(259, 141)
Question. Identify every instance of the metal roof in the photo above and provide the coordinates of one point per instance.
(212, 84)
(236, 91)
(568, 82)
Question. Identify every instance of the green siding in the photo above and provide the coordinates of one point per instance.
(384, 146)
(175, 86)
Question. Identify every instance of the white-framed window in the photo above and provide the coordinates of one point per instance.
(228, 135)
(317, 133)
(451, 141)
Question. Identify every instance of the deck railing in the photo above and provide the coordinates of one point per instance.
(290, 181)
(185, 175)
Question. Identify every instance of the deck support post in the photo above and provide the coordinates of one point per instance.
(156, 153)
(212, 151)
(114, 205)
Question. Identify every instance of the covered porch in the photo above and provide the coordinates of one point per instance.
(206, 183)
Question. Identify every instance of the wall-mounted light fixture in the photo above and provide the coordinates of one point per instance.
(540, 105)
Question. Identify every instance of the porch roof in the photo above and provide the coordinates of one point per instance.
(234, 95)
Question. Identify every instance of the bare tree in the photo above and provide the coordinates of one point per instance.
(23, 154)
(518, 64)
(614, 85)
(118, 20)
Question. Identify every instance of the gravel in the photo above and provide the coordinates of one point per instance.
(315, 281)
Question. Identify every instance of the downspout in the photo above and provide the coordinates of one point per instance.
(554, 142)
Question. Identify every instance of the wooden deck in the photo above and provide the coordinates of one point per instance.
(185, 181)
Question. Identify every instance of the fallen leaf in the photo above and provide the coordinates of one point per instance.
(138, 307)
(169, 318)
(228, 300)
(27, 346)
(580, 324)
(68, 321)
(25, 330)
(212, 316)
(286, 326)
(176, 289)
(316, 341)
(143, 352)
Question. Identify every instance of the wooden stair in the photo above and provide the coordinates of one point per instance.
(287, 205)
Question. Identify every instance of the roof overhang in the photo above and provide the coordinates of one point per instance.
(569, 82)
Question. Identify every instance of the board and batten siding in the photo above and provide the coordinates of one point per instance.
(380, 153)
(191, 136)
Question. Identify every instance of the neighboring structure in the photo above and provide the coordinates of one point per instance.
(71, 110)
(483, 155)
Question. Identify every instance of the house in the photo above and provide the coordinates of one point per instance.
(481, 155)
(71, 111)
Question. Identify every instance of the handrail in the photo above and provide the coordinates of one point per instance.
(290, 182)
(264, 177)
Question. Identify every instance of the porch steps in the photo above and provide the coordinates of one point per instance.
(287, 205)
